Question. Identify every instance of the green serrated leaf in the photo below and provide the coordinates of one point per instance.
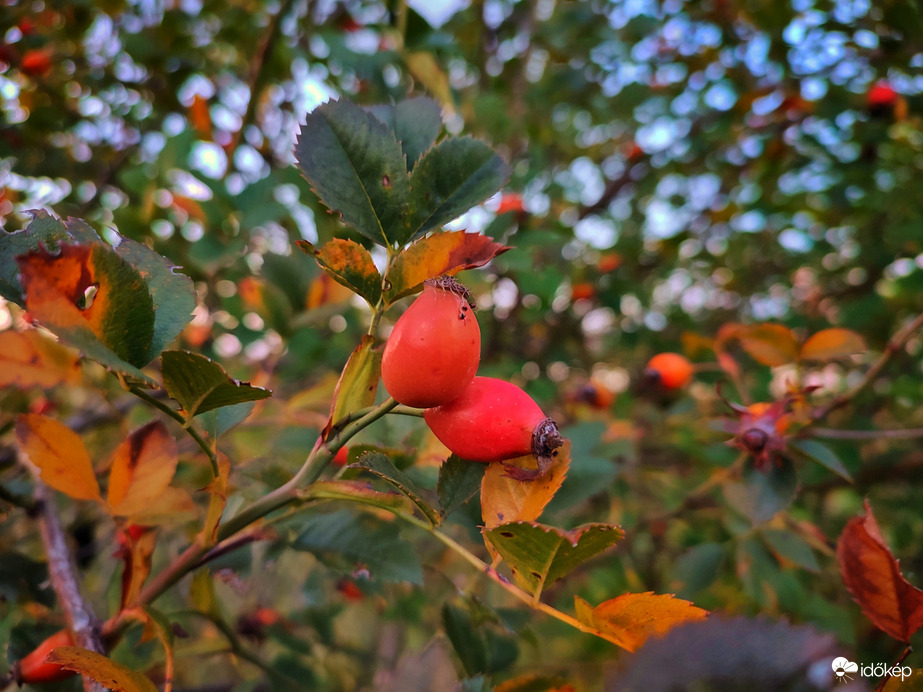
(761, 495)
(350, 265)
(469, 643)
(449, 179)
(697, 568)
(417, 124)
(821, 454)
(218, 421)
(539, 555)
(173, 294)
(381, 466)
(792, 547)
(343, 540)
(355, 164)
(459, 481)
(199, 384)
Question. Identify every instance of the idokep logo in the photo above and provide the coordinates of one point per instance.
(844, 669)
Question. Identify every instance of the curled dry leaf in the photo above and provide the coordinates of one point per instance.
(873, 577)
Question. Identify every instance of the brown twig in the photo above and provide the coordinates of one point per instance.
(897, 342)
(63, 572)
(889, 675)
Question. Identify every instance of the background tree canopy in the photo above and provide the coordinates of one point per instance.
(683, 174)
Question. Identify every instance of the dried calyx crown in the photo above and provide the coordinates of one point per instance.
(449, 283)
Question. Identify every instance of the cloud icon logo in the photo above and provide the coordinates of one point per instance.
(842, 667)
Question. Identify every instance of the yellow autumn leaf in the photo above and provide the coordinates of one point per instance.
(112, 675)
(504, 499)
(60, 455)
(31, 359)
(631, 619)
(769, 344)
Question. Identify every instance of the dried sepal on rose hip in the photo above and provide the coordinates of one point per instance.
(434, 349)
(494, 421)
(32, 669)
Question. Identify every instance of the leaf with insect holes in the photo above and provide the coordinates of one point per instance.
(96, 667)
(32, 359)
(349, 264)
(830, 344)
(93, 300)
(416, 123)
(358, 383)
(459, 481)
(769, 344)
(60, 455)
(356, 166)
(447, 252)
(381, 466)
(539, 555)
(199, 384)
(505, 500)
(873, 577)
(43, 232)
(451, 178)
(142, 468)
(631, 619)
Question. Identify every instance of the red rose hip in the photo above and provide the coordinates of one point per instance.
(494, 420)
(32, 668)
(435, 347)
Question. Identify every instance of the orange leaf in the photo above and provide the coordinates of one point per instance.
(136, 546)
(505, 500)
(142, 468)
(447, 252)
(631, 619)
(60, 455)
(873, 577)
(829, 344)
(173, 506)
(770, 344)
(30, 359)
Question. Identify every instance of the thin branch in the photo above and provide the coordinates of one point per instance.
(891, 434)
(897, 342)
(63, 572)
(204, 445)
(889, 675)
(255, 77)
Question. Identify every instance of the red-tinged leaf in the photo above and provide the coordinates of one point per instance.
(448, 252)
(873, 577)
(769, 344)
(349, 264)
(830, 344)
(505, 500)
(31, 359)
(94, 300)
(98, 668)
(631, 619)
(60, 455)
(358, 383)
(136, 546)
(142, 468)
